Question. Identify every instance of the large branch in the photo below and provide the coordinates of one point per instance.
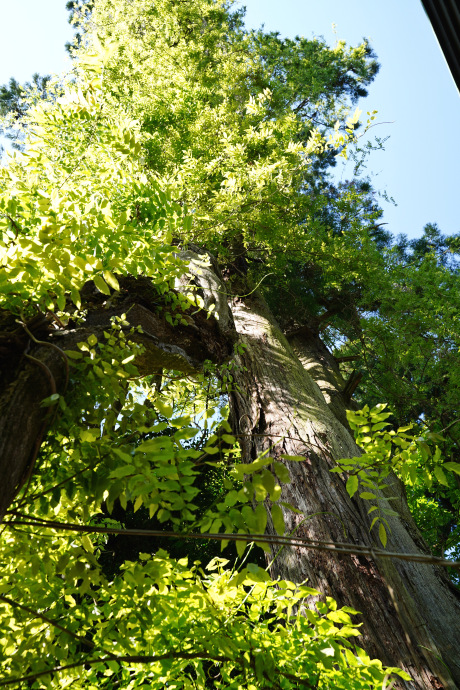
(34, 366)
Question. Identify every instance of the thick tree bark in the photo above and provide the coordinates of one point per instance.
(410, 613)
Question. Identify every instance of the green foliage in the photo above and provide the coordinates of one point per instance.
(386, 452)
(403, 330)
(69, 202)
(436, 514)
(158, 621)
(410, 338)
(162, 622)
(15, 100)
(178, 125)
(232, 134)
(79, 11)
(13, 96)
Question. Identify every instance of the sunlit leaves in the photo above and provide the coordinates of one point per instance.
(352, 485)
(159, 608)
(74, 220)
(386, 451)
(452, 466)
(277, 518)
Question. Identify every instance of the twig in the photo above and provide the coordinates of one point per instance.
(119, 659)
(449, 425)
(47, 344)
(42, 616)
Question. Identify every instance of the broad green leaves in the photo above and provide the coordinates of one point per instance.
(157, 618)
(161, 619)
(414, 459)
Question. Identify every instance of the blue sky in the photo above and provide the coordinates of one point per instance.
(414, 91)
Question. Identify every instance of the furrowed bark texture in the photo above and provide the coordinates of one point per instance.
(411, 616)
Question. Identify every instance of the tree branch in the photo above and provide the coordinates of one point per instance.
(119, 659)
(42, 616)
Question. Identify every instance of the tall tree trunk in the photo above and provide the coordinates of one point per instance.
(410, 613)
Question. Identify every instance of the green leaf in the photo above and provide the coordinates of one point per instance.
(89, 435)
(440, 476)
(185, 434)
(231, 498)
(367, 495)
(383, 534)
(268, 481)
(51, 400)
(380, 425)
(212, 450)
(123, 471)
(352, 485)
(155, 445)
(71, 354)
(60, 299)
(424, 449)
(348, 609)
(278, 519)
(259, 488)
(260, 515)
(276, 493)
(87, 543)
(241, 547)
(163, 409)
(339, 617)
(227, 438)
(76, 298)
(182, 421)
(452, 467)
(122, 455)
(282, 472)
(111, 280)
(101, 284)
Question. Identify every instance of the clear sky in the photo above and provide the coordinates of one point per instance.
(414, 90)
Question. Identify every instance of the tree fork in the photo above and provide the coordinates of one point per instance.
(34, 369)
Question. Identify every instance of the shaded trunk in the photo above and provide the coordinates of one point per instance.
(410, 613)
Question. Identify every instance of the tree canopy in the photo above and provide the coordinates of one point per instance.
(183, 159)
